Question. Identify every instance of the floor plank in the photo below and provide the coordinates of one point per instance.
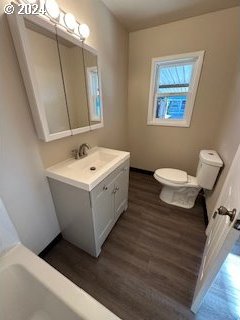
(149, 263)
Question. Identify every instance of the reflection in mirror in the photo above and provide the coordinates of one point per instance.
(93, 87)
(46, 65)
(71, 57)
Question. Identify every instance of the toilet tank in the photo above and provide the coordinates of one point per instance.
(208, 168)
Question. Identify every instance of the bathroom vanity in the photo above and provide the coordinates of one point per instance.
(89, 196)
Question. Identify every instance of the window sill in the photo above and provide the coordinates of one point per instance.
(169, 123)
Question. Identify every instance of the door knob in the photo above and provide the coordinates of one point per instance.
(237, 225)
(222, 211)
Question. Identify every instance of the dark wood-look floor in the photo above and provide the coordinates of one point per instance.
(149, 263)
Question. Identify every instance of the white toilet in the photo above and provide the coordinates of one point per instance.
(180, 189)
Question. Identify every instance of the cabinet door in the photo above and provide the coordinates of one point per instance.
(103, 208)
(121, 191)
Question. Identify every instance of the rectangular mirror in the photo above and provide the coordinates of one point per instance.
(72, 64)
(47, 74)
(93, 88)
(61, 77)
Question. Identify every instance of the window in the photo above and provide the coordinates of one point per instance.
(94, 94)
(173, 89)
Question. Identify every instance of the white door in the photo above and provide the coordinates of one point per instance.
(221, 232)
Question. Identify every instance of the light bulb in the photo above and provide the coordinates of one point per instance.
(84, 31)
(28, 1)
(32, 1)
(52, 9)
(70, 21)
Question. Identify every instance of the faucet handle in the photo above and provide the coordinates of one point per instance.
(87, 145)
(75, 153)
(82, 149)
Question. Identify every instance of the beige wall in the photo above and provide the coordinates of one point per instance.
(23, 185)
(229, 137)
(111, 42)
(157, 146)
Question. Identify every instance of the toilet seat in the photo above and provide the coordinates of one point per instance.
(171, 176)
(178, 178)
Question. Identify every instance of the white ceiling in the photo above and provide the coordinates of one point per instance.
(140, 14)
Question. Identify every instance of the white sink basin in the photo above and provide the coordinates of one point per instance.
(86, 173)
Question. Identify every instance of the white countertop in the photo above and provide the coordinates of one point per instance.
(78, 173)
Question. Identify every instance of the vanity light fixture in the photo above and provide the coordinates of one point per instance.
(84, 31)
(66, 20)
(70, 21)
(52, 9)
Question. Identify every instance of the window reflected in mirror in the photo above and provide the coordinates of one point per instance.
(93, 87)
(94, 94)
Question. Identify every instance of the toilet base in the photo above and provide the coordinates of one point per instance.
(181, 197)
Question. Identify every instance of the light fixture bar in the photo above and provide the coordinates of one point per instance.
(64, 19)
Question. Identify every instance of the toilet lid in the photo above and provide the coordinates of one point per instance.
(172, 175)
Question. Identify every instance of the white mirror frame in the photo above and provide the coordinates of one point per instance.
(18, 31)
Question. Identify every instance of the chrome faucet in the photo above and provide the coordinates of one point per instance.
(82, 149)
(81, 152)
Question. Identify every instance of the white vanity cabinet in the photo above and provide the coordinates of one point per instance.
(109, 200)
(87, 217)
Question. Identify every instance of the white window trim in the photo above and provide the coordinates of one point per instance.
(198, 57)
